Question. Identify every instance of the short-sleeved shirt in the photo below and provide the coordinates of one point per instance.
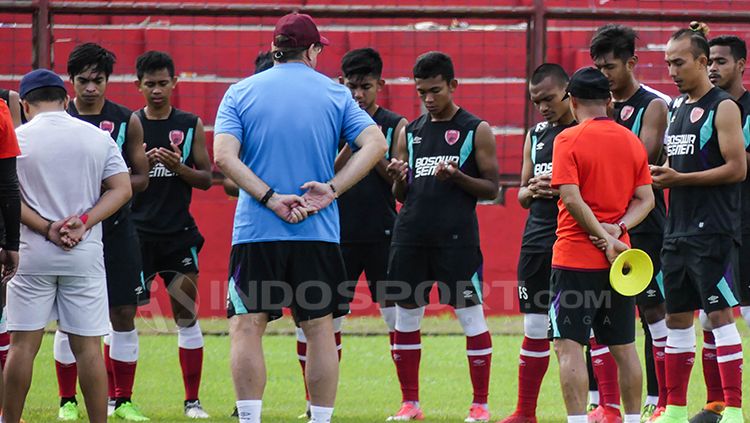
(62, 165)
(289, 120)
(8, 141)
(607, 162)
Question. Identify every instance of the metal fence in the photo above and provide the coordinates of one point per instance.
(494, 45)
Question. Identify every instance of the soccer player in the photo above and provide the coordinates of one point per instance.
(707, 164)
(726, 66)
(90, 183)
(170, 241)
(445, 161)
(89, 68)
(10, 219)
(601, 170)
(13, 103)
(643, 111)
(547, 92)
(285, 248)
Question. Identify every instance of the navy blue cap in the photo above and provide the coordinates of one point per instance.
(39, 78)
(588, 83)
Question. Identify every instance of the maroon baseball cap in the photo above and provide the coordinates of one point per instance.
(300, 30)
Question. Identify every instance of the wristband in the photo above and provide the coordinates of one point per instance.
(46, 233)
(84, 218)
(267, 196)
(333, 188)
(623, 228)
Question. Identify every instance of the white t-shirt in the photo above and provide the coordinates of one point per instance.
(62, 165)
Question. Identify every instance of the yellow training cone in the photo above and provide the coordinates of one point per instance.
(631, 272)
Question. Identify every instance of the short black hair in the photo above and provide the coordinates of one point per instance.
(153, 61)
(263, 61)
(91, 55)
(698, 31)
(46, 95)
(552, 70)
(432, 64)
(736, 45)
(362, 62)
(616, 39)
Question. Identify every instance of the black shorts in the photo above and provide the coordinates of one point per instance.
(168, 256)
(653, 295)
(743, 287)
(582, 301)
(700, 272)
(305, 276)
(413, 270)
(370, 258)
(534, 270)
(122, 263)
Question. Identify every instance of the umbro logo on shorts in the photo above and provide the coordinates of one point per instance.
(713, 299)
(139, 290)
(651, 293)
(468, 294)
(187, 261)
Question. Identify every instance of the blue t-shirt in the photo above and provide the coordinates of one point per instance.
(289, 120)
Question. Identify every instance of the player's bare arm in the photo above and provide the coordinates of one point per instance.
(136, 154)
(732, 146)
(486, 186)
(372, 147)
(526, 192)
(654, 127)
(398, 168)
(14, 105)
(117, 192)
(291, 208)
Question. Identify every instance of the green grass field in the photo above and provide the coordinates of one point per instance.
(368, 388)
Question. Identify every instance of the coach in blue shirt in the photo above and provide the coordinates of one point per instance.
(277, 135)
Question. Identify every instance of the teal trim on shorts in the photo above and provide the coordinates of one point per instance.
(466, 148)
(143, 281)
(660, 282)
(194, 252)
(477, 286)
(234, 297)
(187, 146)
(638, 122)
(389, 141)
(121, 135)
(553, 321)
(534, 141)
(746, 132)
(410, 146)
(707, 130)
(727, 292)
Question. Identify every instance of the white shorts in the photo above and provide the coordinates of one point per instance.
(78, 303)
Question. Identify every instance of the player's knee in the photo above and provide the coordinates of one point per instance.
(61, 349)
(535, 326)
(720, 318)
(409, 319)
(122, 318)
(190, 338)
(472, 320)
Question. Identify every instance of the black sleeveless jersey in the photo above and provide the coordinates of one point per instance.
(630, 115)
(439, 213)
(693, 146)
(367, 210)
(539, 233)
(744, 102)
(164, 207)
(114, 119)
